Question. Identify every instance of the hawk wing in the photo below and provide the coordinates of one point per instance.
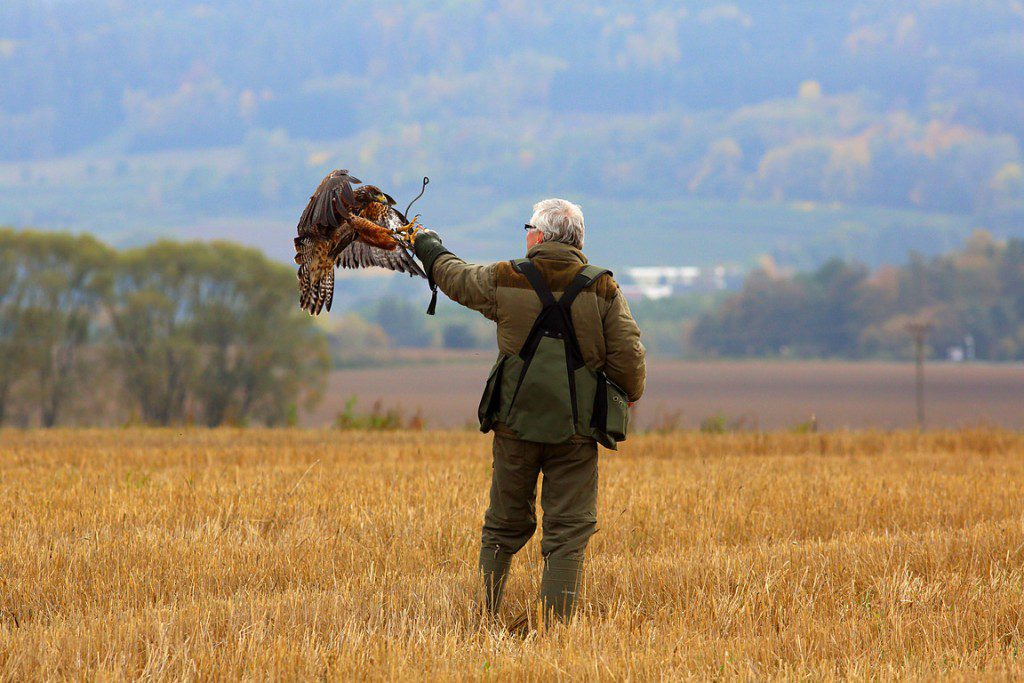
(316, 268)
(331, 203)
(359, 254)
(323, 231)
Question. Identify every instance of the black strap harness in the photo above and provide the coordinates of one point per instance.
(555, 320)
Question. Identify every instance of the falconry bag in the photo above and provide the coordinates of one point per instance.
(546, 393)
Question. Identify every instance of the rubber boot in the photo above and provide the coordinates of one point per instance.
(494, 566)
(559, 586)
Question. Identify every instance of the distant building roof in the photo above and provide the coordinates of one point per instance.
(659, 282)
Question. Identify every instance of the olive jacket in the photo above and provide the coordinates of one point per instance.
(608, 336)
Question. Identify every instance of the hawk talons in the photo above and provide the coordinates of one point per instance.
(410, 227)
(409, 231)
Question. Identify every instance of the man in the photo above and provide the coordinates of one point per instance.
(519, 403)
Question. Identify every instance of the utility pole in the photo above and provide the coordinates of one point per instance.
(919, 330)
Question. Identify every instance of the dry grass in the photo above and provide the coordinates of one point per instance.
(255, 554)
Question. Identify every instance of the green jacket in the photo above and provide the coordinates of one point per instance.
(608, 336)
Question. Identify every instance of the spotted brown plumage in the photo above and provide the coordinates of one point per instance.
(347, 228)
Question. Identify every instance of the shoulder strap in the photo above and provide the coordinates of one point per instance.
(587, 276)
(526, 267)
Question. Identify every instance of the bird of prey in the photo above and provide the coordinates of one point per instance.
(349, 228)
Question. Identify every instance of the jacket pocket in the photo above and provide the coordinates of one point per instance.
(490, 402)
(618, 412)
(610, 417)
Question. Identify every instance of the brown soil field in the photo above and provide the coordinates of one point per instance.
(753, 394)
(134, 554)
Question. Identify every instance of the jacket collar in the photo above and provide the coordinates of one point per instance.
(557, 251)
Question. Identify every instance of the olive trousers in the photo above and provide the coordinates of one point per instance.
(569, 500)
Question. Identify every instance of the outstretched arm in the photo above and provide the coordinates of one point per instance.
(471, 285)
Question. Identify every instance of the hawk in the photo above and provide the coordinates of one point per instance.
(348, 228)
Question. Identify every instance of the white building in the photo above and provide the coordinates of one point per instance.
(659, 282)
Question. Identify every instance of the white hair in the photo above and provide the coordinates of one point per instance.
(559, 221)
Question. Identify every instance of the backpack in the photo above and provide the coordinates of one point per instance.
(546, 393)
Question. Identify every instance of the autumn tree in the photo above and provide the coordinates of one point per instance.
(63, 282)
(151, 329)
(212, 328)
(973, 297)
(13, 344)
(260, 355)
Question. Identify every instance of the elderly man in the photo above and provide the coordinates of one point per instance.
(570, 360)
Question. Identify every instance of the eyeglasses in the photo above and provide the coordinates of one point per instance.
(529, 227)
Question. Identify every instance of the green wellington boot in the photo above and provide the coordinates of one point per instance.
(494, 566)
(559, 586)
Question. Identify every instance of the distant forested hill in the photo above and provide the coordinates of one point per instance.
(218, 117)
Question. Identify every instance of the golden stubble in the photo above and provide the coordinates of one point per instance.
(259, 554)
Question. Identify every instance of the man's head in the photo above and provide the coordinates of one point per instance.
(556, 220)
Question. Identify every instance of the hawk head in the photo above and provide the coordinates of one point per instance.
(372, 194)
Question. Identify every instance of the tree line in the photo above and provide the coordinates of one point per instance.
(163, 334)
(974, 298)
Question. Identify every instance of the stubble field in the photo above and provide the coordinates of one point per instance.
(258, 554)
